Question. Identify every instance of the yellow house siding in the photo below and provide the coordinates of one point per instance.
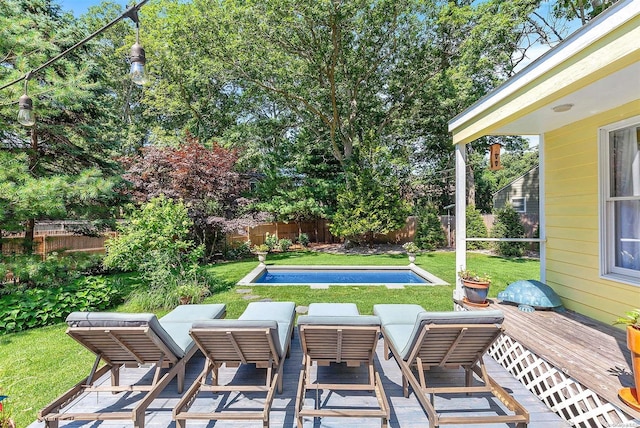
(572, 216)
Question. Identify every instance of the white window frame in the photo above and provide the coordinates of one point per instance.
(524, 204)
(608, 269)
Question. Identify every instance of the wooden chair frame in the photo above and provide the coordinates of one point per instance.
(231, 347)
(118, 346)
(454, 346)
(354, 345)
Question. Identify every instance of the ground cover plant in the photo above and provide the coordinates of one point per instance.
(39, 364)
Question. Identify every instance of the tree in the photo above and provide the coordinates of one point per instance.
(72, 141)
(202, 177)
(429, 233)
(475, 228)
(508, 225)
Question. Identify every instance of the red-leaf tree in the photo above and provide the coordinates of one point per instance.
(203, 178)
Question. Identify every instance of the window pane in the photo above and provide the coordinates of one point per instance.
(624, 158)
(518, 204)
(627, 239)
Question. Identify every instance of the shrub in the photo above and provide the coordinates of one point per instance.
(508, 225)
(475, 229)
(159, 226)
(237, 250)
(303, 239)
(284, 244)
(429, 233)
(270, 241)
(45, 306)
(56, 270)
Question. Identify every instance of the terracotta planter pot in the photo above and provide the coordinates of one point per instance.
(631, 396)
(476, 292)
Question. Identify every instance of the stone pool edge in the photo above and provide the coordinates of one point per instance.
(259, 270)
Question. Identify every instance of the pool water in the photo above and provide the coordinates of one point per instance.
(340, 277)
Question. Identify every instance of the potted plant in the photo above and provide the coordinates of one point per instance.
(191, 293)
(411, 248)
(476, 286)
(261, 250)
(631, 396)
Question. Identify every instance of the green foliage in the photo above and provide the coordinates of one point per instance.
(371, 204)
(411, 247)
(262, 248)
(54, 271)
(303, 239)
(237, 250)
(429, 232)
(508, 225)
(475, 228)
(284, 244)
(271, 241)
(631, 318)
(39, 307)
(159, 226)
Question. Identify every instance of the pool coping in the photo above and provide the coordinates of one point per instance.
(259, 270)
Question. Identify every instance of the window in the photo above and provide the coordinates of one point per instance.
(620, 201)
(519, 204)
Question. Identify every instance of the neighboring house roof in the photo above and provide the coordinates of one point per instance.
(605, 53)
(514, 180)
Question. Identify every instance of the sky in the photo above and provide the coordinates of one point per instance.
(78, 7)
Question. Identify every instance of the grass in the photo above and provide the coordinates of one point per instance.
(38, 365)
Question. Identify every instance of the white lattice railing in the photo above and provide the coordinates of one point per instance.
(568, 398)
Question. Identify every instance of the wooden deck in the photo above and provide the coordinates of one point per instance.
(405, 412)
(593, 353)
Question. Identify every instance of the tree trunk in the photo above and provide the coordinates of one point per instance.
(31, 223)
(471, 182)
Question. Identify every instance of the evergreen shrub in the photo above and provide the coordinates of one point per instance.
(508, 225)
(475, 229)
(429, 233)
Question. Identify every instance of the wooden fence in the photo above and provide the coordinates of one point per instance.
(46, 243)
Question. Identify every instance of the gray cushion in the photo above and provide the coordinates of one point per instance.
(453, 317)
(339, 320)
(119, 319)
(279, 331)
(333, 309)
(190, 313)
(397, 313)
(276, 311)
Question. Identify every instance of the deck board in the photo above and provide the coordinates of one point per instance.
(593, 353)
(405, 412)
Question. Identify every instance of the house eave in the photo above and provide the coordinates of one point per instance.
(604, 53)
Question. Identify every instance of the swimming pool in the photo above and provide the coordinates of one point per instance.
(323, 276)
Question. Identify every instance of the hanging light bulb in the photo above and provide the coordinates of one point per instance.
(26, 116)
(138, 74)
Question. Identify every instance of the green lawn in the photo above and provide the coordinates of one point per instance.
(38, 365)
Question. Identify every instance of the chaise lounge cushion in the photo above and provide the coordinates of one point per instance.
(281, 312)
(333, 309)
(191, 313)
(178, 322)
(116, 319)
(403, 332)
(353, 320)
(278, 339)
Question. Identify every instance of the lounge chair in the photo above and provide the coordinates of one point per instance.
(421, 340)
(260, 336)
(336, 333)
(125, 339)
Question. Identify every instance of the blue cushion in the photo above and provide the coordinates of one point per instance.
(276, 311)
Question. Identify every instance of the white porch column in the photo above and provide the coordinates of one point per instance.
(461, 220)
(542, 200)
